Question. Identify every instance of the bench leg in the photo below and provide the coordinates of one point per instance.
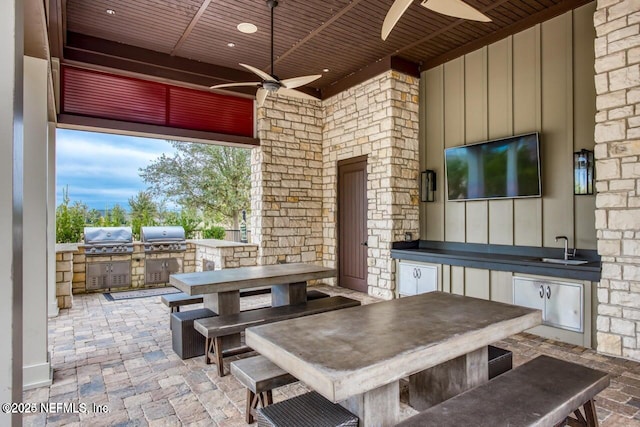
(590, 413)
(269, 398)
(208, 349)
(252, 404)
(217, 342)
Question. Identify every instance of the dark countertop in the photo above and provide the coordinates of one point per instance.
(518, 259)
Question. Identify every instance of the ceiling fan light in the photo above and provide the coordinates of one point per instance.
(247, 28)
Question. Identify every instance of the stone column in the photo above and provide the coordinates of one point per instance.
(617, 151)
(379, 119)
(37, 369)
(286, 188)
(11, 174)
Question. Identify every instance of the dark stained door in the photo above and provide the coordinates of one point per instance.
(352, 223)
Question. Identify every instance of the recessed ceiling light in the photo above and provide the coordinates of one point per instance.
(110, 12)
(230, 44)
(325, 70)
(247, 28)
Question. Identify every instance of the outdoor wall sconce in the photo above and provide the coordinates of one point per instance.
(428, 185)
(583, 172)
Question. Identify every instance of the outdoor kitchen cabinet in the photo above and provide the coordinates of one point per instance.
(561, 302)
(104, 275)
(158, 270)
(416, 278)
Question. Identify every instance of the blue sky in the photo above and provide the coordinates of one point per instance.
(102, 169)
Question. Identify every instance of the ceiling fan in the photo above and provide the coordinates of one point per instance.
(455, 8)
(270, 83)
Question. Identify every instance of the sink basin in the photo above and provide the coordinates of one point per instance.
(564, 261)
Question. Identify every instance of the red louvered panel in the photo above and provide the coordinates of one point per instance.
(192, 109)
(96, 94)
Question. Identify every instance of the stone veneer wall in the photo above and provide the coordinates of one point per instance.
(617, 151)
(286, 187)
(379, 119)
(64, 278)
(226, 257)
(294, 173)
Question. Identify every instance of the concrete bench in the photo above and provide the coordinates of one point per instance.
(543, 392)
(309, 409)
(214, 328)
(175, 301)
(260, 376)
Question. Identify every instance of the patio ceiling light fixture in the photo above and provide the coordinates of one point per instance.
(231, 44)
(247, 28)
(110, 12)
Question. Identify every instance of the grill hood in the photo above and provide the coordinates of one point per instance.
(107, 235)
(162, 234)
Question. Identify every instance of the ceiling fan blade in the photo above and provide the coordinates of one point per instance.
(457, 9)
(234, 85)
(264, 76)
(261, 95)
(394, 14)
(296, 94)
(299, 81)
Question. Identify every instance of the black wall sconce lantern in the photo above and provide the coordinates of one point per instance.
(428, 186)
(583, 172)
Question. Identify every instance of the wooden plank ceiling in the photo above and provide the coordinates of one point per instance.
(186, 40)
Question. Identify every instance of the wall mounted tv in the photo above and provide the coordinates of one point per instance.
(499, 169)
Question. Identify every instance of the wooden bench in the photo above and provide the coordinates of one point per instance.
(260, 376)
(214, 328)
(309, 409)
(543, 392)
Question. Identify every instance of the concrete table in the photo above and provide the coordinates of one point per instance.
(358, 355)
(221, 288)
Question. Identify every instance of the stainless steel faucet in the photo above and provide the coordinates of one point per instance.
(566, 247)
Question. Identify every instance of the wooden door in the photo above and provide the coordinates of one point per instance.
(352, 223)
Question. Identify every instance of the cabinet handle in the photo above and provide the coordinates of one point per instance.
(541, 291)
(548, 292)
(419, 273)
(415, 273)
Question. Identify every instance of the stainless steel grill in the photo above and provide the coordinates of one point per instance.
(108, 240)
(163, 239)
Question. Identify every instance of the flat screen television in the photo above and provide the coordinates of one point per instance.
(499, 169)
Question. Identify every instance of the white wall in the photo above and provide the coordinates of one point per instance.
(540, 79)
(37, 369)
(10, 147)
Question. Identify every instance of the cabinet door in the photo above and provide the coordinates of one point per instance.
(407, 281)
(528, 293)
(97, 275)
(120, 274)
(563, 307)
(427, 279)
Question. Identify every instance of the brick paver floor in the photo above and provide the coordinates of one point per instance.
(117, 355)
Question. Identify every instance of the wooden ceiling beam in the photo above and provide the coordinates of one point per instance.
(318, 30)
(528, 22)
(56, 38)
(192, 24)
(81, 42)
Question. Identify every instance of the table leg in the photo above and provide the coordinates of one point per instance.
(225, 303)
(437, 384)
(379, 407)
(288, 293)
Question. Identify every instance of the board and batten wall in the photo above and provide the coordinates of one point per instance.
(541, 79)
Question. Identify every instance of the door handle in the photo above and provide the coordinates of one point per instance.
(541, 291)
(548, 292)
(364, 243)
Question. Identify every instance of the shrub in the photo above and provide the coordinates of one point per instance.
(214, 232)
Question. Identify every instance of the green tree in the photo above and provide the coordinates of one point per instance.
(187, 218)
(212, 179)
(114, 217)
(143, 211)
(70, 220)
(93, 217)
